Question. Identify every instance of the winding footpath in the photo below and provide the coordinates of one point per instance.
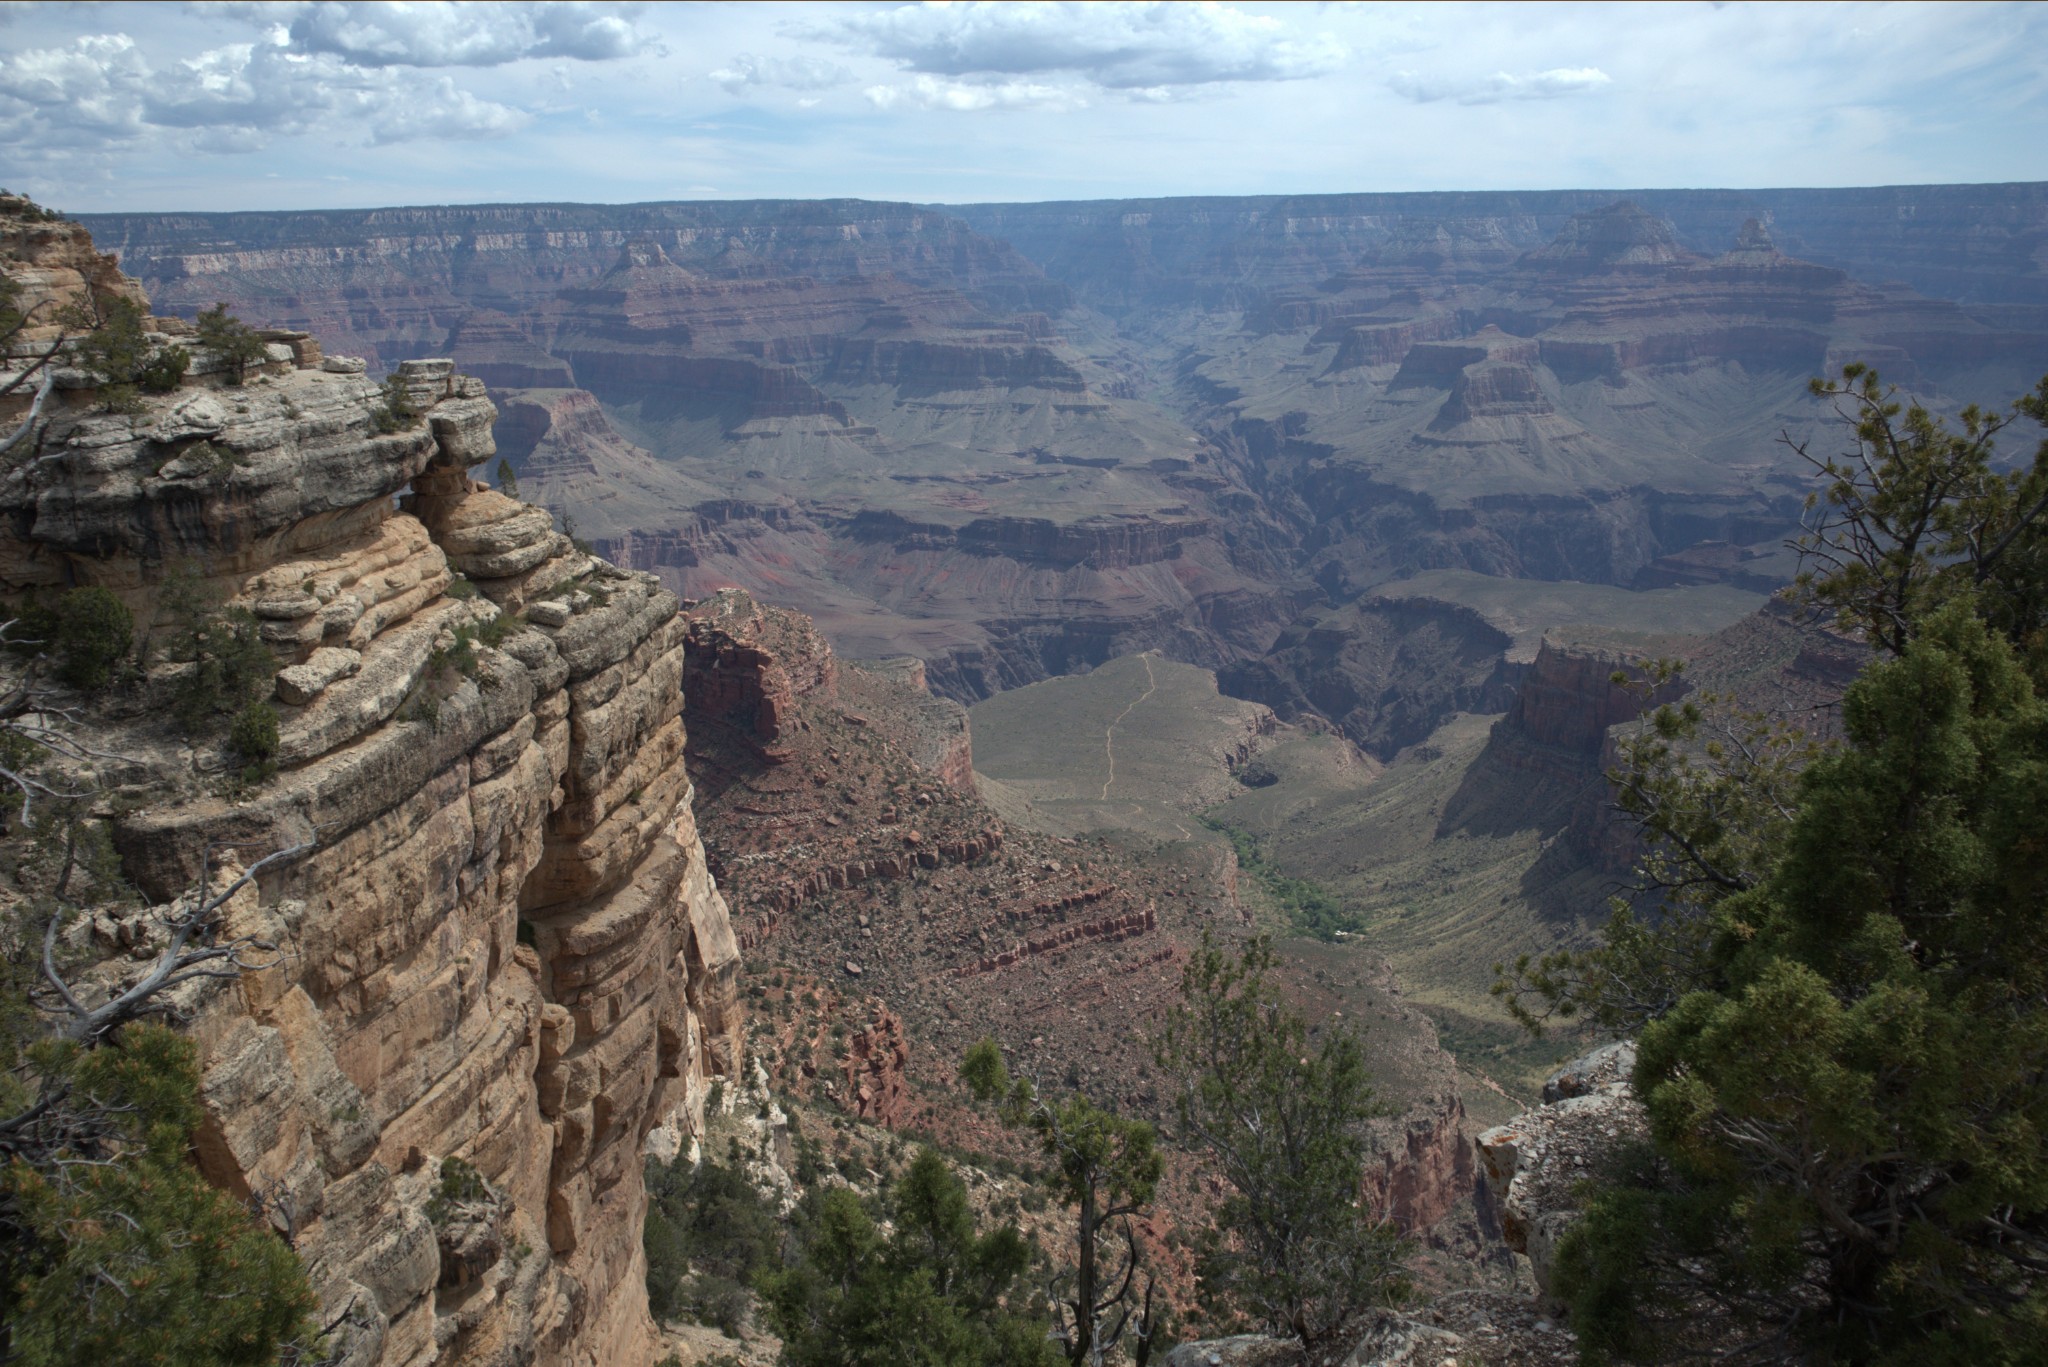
(1109, 732)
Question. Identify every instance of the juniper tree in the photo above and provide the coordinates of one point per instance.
(1106, 1167)
(113, 1247)
(931, 1291)
(231, 340)
(1847, 1081)
(1282, 1118)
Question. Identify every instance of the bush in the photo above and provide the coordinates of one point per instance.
(461, 1185)
(253, 736)
(231, 666)
(198, 1281)
(1308, 906)
(119, 357)
(1282, 1118)
(399, 412)
(932, 1288)
(92, 630)
(708, 1232)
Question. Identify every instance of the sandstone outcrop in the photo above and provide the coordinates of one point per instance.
(503, 948)
(1534, 1164)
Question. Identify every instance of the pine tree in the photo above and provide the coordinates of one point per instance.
(1282, 1118)
(232, 341)
(1848, 1084)
(931, 1292)
(1105, 1166)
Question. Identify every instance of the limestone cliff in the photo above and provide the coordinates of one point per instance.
(504, 946)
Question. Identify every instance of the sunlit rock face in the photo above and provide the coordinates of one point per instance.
(503, 946)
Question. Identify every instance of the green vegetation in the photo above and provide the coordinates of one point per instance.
(253, 736)
(88, 630)
(508, 479)
(398, 413)
(460, 1185)
(230, 666)
(1281, 1118)
(709, 1234)
(113, 1248)
(1844, 1003)
(1308, 907)
(118, 354)
(932, 1290)
(231, 340)
(448, 665)
(1106, 1167)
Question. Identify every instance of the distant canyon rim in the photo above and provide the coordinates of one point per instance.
(1019, 440)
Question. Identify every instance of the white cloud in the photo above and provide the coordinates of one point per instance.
(1140, 45)
(786, 73)
(432, 33)
(102, 93)
(1502, 85)
(926, 92)
(445, 111)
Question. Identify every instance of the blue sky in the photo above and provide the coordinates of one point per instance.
(296, 105)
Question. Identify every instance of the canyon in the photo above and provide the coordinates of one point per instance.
(531, 811)
(1017, 441)
(1407, 477)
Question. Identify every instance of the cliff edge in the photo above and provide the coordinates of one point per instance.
(503, 946)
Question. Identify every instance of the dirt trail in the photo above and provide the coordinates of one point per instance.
(1109, 732)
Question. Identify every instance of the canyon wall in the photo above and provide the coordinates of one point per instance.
(499, 943)
(862, 411)
(1979, 243)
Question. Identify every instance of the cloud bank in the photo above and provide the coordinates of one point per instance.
(1143, 49)
(1501, 85)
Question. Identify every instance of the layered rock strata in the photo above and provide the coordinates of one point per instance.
(842, 407)
(503, 946)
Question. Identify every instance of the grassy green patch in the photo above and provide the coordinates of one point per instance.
(1309, 907)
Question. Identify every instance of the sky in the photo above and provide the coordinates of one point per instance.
(222, 106)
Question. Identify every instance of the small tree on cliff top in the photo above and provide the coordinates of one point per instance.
(1848, 1093)
(1106, 1167)
(232, 340)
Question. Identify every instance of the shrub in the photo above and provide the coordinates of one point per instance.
(119, 357)
(399, 412)
(231, 666)
(253, 736)
(197, 1279)
(92, 632)
(460, 1185)
(708, 1232)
